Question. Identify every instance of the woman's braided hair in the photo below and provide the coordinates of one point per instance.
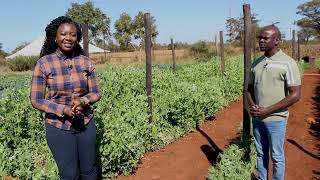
(49, 46)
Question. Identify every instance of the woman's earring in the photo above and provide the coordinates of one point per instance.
(55, 41)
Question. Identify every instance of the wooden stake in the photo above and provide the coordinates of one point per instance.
(173, 57)
(247, 66)
(222, 52)
(148, 49)
(85, 37)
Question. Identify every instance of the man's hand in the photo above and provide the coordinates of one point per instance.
(257, 111)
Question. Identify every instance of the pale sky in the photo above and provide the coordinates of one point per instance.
(183, 20)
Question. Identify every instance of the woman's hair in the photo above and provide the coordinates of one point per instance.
(49, 46)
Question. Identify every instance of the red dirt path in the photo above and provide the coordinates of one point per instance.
(190, 157)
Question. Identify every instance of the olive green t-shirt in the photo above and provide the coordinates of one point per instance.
(270, 78)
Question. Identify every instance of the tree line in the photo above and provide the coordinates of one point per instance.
(309, 24)
(129, 29)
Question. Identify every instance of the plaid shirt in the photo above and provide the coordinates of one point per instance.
(64, 77)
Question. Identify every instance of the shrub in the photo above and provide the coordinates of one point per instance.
(23, 63)
(202, 50)
(3, 62)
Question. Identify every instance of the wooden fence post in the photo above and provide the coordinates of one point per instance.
(85, 37)
(299, 55)
(148, 49)
(254, 42)
(294, 45)
(173, 57)
(247, 66)
(217, 45)
(221, 52)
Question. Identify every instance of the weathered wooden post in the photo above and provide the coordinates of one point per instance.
(217, 45)
(294, 45)
(85, 37)
(104, 47)
(222, 52)
(148, 49)
(247, 66)
(299, 55)
(254, 42)
(173, 56)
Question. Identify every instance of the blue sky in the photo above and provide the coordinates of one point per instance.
(183, 20)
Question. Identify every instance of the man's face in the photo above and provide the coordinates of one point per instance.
(267, 40)
(66, 37)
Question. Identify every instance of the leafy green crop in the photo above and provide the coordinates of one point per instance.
(238, 162)
(180, 102)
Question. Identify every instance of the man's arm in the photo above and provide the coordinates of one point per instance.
(250, 95)
(293, 97)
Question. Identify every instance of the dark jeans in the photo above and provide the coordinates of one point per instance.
(74, 151)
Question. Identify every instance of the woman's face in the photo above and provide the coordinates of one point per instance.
(66, 37)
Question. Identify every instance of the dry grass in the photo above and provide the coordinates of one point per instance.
(137, 57)
(4, 68)
(165, 56)
(311, 50)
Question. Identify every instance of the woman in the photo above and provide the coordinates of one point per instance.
(72, 89)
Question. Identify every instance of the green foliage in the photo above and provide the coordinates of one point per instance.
(139, 31)
(238, 162)
(23, 151)
(180, 101)
(128, 28)
(317, 63)
(202, 50)
(3, 62)
(305, 34)
(235, 28)
(302, 66)
(2, 53)
(124, 30)
(23, 63)
(99, 22)
(311, 16)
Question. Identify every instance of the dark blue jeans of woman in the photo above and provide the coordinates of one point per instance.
(74, 151)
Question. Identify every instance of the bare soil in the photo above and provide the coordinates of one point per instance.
(190, 157)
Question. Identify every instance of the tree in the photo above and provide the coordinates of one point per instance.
(124, 31)
(20, 46)
(235, 28)
(311, 17)
(98, 22)
(2, 53)
(305, 34)
(139, 31)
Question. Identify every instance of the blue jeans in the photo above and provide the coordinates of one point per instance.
(270, 136)
(74, 151)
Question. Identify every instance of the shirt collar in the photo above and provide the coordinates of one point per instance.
(63, 56)
(274, 57)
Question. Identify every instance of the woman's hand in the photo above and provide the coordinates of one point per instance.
(67, 111)
(77, 106)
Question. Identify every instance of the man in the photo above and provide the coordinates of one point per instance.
(274, 86)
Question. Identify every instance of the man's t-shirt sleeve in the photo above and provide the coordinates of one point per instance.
(293, 77)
